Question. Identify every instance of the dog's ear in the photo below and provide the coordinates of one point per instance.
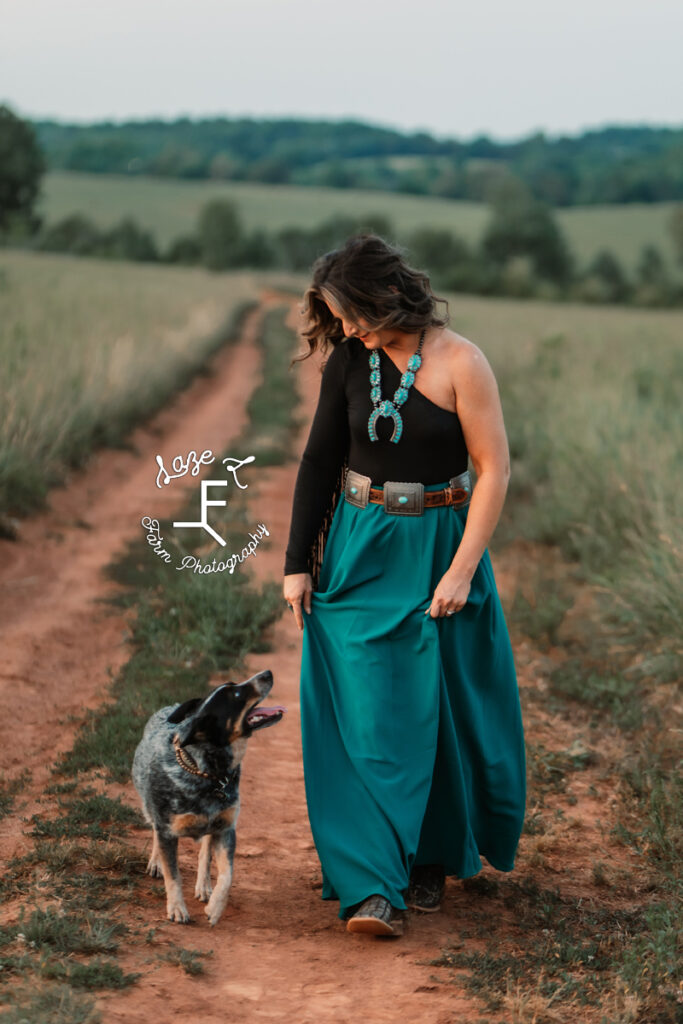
(185, 710)
(209, 717)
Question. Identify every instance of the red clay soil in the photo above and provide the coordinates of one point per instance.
(279, 953)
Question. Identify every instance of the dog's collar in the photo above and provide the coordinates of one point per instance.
(188, 764)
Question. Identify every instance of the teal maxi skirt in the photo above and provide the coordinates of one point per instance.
(413, 743)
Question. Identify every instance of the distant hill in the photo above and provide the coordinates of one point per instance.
(638, 164)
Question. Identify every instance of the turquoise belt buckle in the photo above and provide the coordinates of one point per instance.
(463, 484)
(403, 498)
(357, 488)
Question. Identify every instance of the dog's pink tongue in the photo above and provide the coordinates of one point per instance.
(261, 712)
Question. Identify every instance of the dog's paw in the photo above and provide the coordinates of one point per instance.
(154, 868)
(177, 912)
(214, 908)
(202, 891)
(214, 916)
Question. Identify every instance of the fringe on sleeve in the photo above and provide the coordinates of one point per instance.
(318, 546)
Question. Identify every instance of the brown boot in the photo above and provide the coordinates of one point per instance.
(426, 889)
(376, 916)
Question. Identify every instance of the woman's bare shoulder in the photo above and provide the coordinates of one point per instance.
(463, 356)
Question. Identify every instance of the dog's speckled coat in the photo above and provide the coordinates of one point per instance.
(176, 802)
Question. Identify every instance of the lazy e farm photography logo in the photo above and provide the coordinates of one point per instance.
(192, 463)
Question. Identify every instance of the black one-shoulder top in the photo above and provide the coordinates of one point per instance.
(432, 448)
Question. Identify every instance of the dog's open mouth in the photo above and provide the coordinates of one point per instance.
(259, 718)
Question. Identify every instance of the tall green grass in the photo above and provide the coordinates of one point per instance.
(592, 405)
(88, 348)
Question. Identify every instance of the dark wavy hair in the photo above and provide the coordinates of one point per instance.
(366, 277)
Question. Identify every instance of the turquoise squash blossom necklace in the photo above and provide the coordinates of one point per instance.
(386, 408)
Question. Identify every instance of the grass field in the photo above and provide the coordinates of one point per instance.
(170, 208)
(89, 347)
(590, 397)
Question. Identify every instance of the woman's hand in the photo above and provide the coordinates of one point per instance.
(297, 589)
(450, 595)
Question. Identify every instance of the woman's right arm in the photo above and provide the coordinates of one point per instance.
(323, 457)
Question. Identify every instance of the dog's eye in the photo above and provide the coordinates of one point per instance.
(238, 694)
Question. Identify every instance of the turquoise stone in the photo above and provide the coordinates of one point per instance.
(354, 490)
(402, 500)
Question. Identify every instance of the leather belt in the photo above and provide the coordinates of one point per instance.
(406, 498)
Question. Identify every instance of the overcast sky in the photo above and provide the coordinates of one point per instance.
(501, 67)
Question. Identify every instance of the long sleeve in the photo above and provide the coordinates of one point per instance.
(321, 463)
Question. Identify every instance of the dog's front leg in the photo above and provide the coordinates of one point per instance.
(168, 856)
(202, 889)
(154, 864)
(224, 849)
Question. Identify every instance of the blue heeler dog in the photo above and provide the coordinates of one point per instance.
(187, 772)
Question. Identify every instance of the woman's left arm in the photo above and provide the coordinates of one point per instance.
(481, 418)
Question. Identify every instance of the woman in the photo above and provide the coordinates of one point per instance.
(412, 734)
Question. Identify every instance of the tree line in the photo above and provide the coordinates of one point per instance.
(616, 164)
